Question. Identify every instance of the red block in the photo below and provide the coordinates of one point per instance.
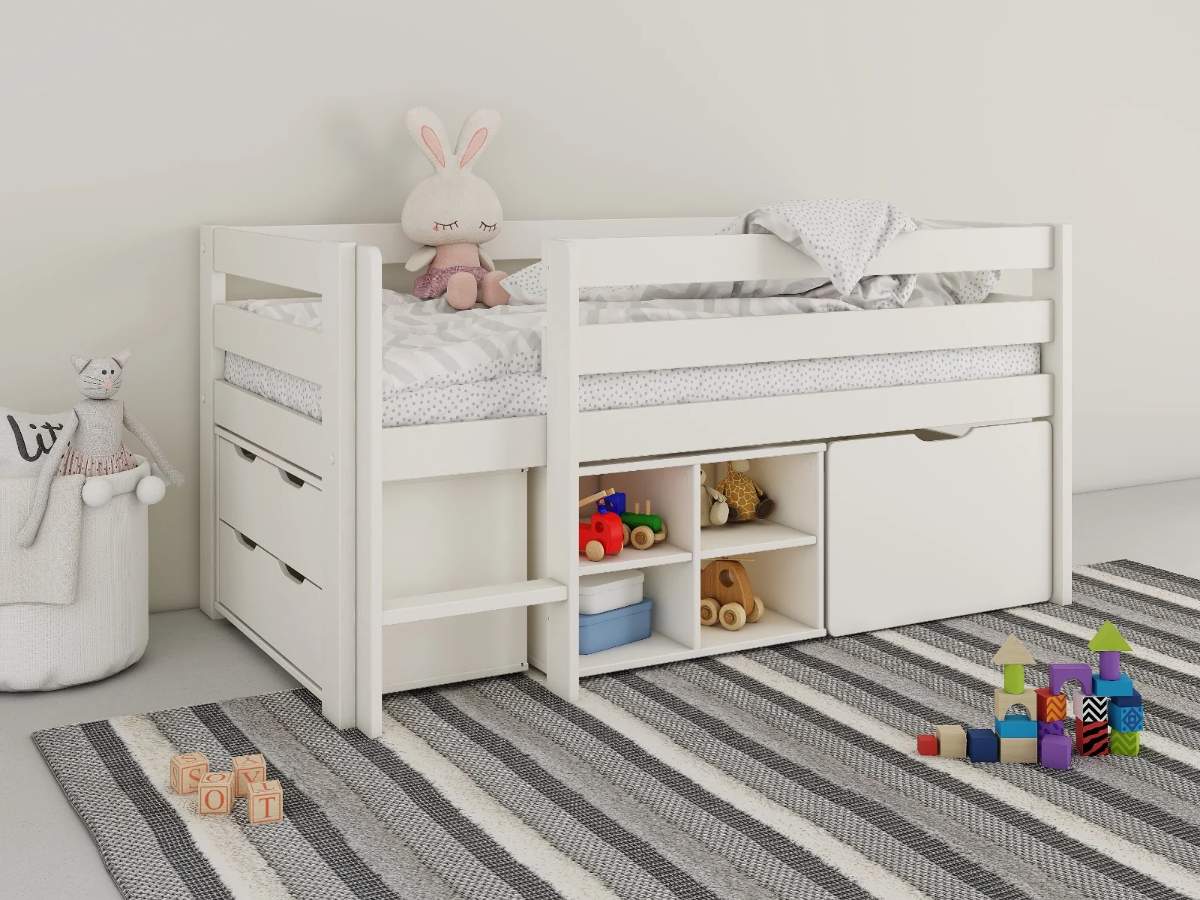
(1091, 738)
(927, 744)
(1051, 707)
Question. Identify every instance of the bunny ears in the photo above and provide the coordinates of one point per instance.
(429, 133)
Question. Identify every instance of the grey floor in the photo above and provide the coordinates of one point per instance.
(46, 853)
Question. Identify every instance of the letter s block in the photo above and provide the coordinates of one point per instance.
(186, 771)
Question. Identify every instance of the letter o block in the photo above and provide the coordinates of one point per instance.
(214, 794)
(264, 802)
(186, 771)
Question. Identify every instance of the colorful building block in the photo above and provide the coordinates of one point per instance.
(1109, 643)
(1091, 738)
(983, 745)
(1051, 707)
(1019, 750)
(1127, 718)
(1061, 673)
(952, 741)
(264, 802)
(1092, 709)
(1006, 702)
(1015, 725)
(1120, 687)
(214, 794)
(1013, 656)
(1134, 699)
(186, 771)
(1058, 726)
(1054, 751)
(248, 768)
(927, 744)
(1125, 743)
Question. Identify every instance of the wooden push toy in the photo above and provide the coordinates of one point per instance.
(1109, 715)
(726, 596)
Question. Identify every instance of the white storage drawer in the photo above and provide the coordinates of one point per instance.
(282, 607)
(273, 507)
(922, 529)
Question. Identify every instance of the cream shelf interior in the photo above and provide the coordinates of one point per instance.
(783, 554)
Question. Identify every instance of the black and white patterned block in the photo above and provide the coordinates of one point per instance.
(1093, 709)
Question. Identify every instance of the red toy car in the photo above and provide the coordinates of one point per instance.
(601, 536)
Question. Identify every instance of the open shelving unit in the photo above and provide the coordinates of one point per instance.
(784, 554)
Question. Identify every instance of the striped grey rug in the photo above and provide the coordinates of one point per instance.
(787, 772)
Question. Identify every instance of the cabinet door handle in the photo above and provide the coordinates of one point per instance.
(245, 541)
(245, 454)
(290, 479)
(291, 573)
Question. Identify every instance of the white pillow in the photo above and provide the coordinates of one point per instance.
(26, 439)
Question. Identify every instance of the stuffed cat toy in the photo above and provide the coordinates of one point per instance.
(93, 433)
(452, 212)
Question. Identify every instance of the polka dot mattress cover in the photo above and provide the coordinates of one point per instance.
(441, 365)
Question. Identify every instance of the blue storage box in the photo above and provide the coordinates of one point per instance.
(606, 630)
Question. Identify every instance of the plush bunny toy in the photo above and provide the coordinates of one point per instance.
(452, 212)
(94, 434)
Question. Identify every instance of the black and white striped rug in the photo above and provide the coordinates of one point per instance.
(787, 772)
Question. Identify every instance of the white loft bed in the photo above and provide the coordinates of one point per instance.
(353, 554)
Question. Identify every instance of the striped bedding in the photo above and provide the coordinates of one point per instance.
(784, 772)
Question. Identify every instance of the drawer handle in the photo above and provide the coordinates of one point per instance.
(291, 573)
(245, 541)
(245, 454)
(289, 478)
(929, 435)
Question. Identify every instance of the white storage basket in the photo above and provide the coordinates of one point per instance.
(105, 629)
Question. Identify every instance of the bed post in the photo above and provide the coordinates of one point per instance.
(212, 292)
(339, 479)
(560, 362)
(368, 688)
(1055, 283)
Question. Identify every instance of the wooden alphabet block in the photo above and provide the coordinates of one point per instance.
(264, 802)
(246, 769)
(952, 741)
(215, 794)
(186, 771)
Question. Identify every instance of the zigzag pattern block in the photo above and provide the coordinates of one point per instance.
(1093, 709)
(1125, 743)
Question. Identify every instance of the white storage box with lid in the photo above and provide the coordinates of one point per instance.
(931, 525)
(611, 590)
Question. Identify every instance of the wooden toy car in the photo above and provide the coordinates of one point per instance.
(602, 535)
(643, 529)
(726, 596)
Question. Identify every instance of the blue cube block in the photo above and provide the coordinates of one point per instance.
(1122, 687)
(983, 745)
(1015, 725)
(1127, 718)
(1134, 699)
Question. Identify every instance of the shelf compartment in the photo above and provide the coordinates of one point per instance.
(773, 628)
(658, 648)
(661, 554)
(751, 537)
(444, 604)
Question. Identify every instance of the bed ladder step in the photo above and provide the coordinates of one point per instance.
(421, 607)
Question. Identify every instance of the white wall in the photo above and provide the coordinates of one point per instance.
(124, 125)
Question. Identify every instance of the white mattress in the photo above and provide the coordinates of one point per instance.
(444, 366)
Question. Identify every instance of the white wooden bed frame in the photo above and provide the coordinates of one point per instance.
(354, 457)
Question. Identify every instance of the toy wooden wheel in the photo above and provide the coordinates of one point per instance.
(732, 616)
(594, 551)
(759, 609)
(625, 535)
(661, 534)
(642, 537)
(709, 609)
